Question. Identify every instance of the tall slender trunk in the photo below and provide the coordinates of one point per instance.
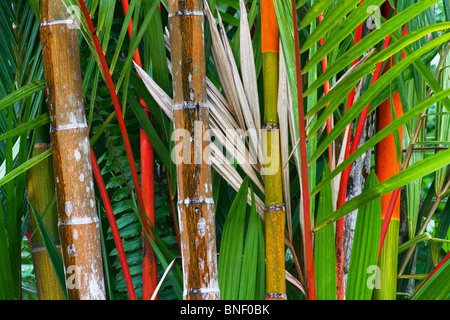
(387, 166)
(190, 112)
(78, 221)
(149, 269)
(274, 215)
(40, 191)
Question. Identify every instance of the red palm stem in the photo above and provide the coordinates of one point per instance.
(114, 98)
(149, 269)
(303, 163)
(344, 180)
(114, 229)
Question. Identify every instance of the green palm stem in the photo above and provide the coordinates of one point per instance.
(41, 191)
(274, 215)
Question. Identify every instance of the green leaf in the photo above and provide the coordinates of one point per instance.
(26, 127)
(260, 290)
(162, 252)
(417, 239)
(134, 43)
(367, 97)
(102, 128)
(35, 6)
(357, 16)
(25, 166)
(331, 18)
(123, 32)
(411, 173)
(412, 242)
(380, 135)
(106, 268)
(53, 253)
(150, 131)
(368, 42)
(22, 93)
(6, 278)
(365, 246)
(252, 257)
(232, 246)
(316, 9)
(324, 248)
(424, 71)
(437, 287)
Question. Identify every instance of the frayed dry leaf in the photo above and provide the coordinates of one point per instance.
(221, 164)
(224, 73)
(248, 69)
(233, 144)
(289, 277)
(283, 103)
(231, 81)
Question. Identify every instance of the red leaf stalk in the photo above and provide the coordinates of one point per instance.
(115, 100)
(344, 180)
(304, 167)
(340, 222)
(114, 229)
(149, 269)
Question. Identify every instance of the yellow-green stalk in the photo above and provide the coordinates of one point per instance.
(40, 191)
(274, 216)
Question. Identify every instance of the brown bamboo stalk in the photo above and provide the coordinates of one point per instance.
(78, 221)
(190, 112)
(40, 192)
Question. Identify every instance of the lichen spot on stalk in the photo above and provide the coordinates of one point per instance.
(84, 145)
(68, 208)
(191, 87)
(201, 227)
(72, 118)
(71, 251)
(77, 155)
(96, 286)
